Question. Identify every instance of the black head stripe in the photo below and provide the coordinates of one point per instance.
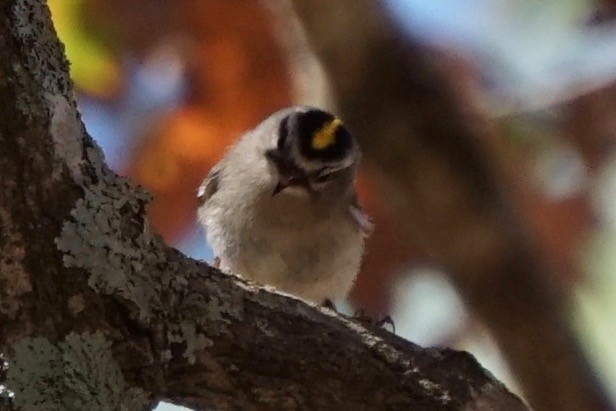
(308, 124)
(283, 132)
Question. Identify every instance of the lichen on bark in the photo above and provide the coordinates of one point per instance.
(78, 373)
(100, 237)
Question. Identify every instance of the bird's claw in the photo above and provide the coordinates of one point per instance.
(360, 316)
(385, 321)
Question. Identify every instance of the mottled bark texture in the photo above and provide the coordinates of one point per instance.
(446, 189)
(97, 313)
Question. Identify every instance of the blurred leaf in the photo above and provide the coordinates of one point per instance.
(93, 67)
(237, 74)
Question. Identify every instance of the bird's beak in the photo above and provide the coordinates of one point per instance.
(278, 189)
(292, 182)
(290, 176)
(286, 182)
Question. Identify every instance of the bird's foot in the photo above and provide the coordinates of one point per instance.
(361, 316)
(387, 320)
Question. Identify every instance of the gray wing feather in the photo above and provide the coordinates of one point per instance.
(208, 187)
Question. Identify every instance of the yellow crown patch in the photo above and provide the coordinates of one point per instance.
(326, 136)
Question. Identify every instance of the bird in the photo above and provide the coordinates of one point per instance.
(280, 208)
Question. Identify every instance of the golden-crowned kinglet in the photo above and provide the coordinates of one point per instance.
(280, 208)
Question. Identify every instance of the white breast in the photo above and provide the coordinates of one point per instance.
(315, 259)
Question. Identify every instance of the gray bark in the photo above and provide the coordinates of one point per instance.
(97, 313)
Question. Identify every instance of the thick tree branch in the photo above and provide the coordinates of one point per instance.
(96, 313)
(446, 190)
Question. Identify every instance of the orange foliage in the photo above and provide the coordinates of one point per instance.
(238, 75)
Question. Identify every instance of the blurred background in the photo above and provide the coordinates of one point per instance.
(165, 85)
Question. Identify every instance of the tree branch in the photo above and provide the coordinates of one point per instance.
(97, 313)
